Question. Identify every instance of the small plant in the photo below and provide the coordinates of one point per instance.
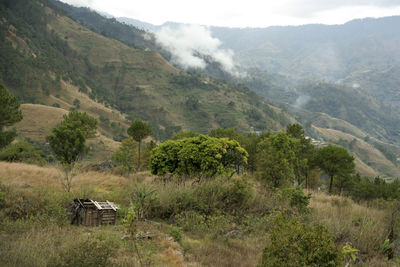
(349, 253)
(144, 199)
(176, 233)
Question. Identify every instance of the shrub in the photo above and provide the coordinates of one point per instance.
(295, 244)
(176, 233)
(21, 152)
(297, 199)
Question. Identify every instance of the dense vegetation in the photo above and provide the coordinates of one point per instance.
(197, 202)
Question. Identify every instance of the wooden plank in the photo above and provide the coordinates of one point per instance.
(112, 205)
(97, 205)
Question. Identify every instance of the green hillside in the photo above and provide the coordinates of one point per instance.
(46, 52)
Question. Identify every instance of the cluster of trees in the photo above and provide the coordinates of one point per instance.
(199, 156)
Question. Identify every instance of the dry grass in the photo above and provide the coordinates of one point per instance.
(25, 176)
(21, 175)
(38, 120)
(233, 252)
(364, 227)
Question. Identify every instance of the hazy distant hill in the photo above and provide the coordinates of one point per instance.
(321, 51)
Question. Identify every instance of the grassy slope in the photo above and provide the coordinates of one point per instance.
(365, 227)
(39, 120)
(369, 160)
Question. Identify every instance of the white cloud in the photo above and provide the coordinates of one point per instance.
(186, 41)
(249, 13)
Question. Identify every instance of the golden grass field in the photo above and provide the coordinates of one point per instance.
(364, 227)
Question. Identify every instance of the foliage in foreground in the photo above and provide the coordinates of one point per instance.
(295, 244)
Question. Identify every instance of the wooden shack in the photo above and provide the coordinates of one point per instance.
(93, 213)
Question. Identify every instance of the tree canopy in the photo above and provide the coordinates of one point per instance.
(68, 139)
(138, 131)
(335, 161)
(9, 114)
(197, 156)
(276, 159)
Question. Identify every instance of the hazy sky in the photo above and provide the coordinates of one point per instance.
(249, 13)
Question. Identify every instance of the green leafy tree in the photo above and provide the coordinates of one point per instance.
(68, 141)
(335, 161)
(250, 143)
(294, 244)
(9, 114)
(82, 120)
(197, 156)
(304, 153)
(138, 131)
(125, 155)
(276, 159)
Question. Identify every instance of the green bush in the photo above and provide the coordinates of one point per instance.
(207, 198)
(22, 152)
(297, 199)
(295, 244)
(176, 233)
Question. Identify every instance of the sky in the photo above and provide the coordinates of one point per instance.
(249, 13)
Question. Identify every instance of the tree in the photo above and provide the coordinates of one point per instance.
(138, 131)
(125, 154)
(84, 121)
(68, 141)
(276, 158)
(304, 153)
(197, 156)
(9, 114)
(335, 161)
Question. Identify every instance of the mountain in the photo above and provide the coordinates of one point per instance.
(317, 51)
(53, 58)
(48, 58)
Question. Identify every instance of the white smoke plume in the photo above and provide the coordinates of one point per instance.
(186, 41)
(301, 101)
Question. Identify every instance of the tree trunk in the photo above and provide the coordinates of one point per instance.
(140, 142)
(330, 185)
(306, 180)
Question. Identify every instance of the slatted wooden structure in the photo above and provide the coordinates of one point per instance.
(93, 213)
